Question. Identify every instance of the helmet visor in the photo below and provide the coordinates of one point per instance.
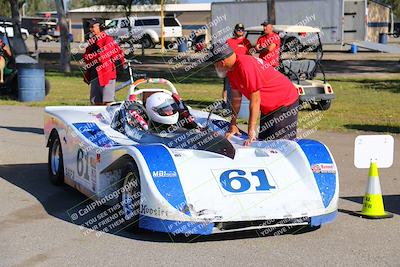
(168, 108)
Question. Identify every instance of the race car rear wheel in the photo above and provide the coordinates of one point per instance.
(131, 196)
(55, 160)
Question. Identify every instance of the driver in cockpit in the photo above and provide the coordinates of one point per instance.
(168, 113)
(164, 114)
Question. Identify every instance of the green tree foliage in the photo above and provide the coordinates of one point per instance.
(34, 6)
(395, 7)
(73, 4)
(127, 2)
(5, 8)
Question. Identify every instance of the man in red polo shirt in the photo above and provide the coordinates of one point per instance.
(238, 42)
(268, 45)
(241, 46)
(269, 92)
(100, 57)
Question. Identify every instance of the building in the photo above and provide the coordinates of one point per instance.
(191, 16)
(365, 20)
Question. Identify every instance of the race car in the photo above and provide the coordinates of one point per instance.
(187, 179)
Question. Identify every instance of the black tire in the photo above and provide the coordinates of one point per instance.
(321, 105)
(147, 42)
(55, 163)
(46, 87)
(324, 104)
(131, 196)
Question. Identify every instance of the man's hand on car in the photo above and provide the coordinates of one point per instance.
(233, 130)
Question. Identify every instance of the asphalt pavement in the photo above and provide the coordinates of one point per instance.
(35, 229)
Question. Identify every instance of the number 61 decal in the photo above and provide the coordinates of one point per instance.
(239, 181)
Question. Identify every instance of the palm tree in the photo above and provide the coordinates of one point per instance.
(65, 54)
(271, 12)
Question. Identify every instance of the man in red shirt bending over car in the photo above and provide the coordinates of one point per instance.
(268, 45)
(269, 92)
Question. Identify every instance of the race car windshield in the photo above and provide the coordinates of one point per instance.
(167, 109)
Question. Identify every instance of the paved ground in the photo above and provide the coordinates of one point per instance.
(35, 229)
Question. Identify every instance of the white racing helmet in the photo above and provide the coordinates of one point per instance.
(162, 108)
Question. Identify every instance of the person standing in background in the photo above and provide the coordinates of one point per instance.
(100, 57)
(268, 45)
(241, 46)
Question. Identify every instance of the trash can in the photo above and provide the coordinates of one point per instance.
(383, 38)
(31, 82)
(353, 49)
(182, 45)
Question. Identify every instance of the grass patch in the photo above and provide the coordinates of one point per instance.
(361, 104)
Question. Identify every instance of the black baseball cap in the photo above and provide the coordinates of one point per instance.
(265, 23)
(94, 21)
(239, 26)
(219, 51)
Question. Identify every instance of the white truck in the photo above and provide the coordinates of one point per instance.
(145, 30)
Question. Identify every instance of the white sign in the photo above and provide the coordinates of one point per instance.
(377, 148)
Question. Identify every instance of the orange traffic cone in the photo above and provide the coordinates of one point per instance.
(373, 202)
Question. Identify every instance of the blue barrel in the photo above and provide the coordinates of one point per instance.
(383, 38)
(182, 45)
(31, 82)
(353, 49)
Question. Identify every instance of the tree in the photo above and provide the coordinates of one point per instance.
(395, 7)
(79, 3)
(4, 8)
(271, 12)
(18, 43)
(65, 55)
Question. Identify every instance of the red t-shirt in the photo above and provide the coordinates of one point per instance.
(101, 54)
(240, 46)
(252, 74)
(272, 57)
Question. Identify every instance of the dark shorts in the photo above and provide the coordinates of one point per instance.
(280, 124)
(102, 94)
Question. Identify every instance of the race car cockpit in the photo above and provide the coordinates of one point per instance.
(132, 120)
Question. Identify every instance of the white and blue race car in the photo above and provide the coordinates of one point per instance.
(189, 180)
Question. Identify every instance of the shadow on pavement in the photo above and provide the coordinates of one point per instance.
(24, 129)
(58, 201)
(391, 203)
(373, 128)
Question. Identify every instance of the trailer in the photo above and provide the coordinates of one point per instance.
(341, 21)
(324, 14)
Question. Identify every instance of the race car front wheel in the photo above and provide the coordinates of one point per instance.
(55, 160)
(131, 196)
